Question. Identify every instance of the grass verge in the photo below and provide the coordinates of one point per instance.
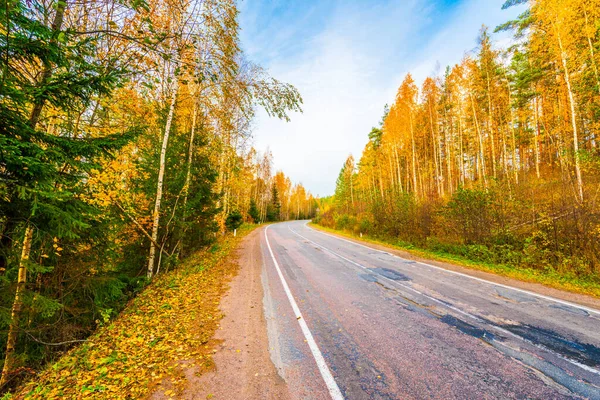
(551, 278)
(171, 321)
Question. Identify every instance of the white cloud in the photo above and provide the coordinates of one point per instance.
(348, 69)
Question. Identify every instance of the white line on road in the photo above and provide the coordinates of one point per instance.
(541, 296)
(445, 304)
(332, 386)
(391, 281)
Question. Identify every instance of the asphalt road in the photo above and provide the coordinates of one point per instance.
(348, 321)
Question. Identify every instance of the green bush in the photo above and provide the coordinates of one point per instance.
(234, 220)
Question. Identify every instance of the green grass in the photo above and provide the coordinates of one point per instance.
(589, 285)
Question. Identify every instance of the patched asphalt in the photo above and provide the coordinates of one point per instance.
(390, 328)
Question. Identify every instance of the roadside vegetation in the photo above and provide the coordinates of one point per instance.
(548, 277)
(496, 160)
(124, 149)
(167, 327)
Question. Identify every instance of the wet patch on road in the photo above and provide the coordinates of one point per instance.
(368, 277)
(467, 328)
(390, 274)
(555, 373)
(583, 353)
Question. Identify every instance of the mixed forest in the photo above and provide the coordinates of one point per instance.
(497, 159)
(125, 145)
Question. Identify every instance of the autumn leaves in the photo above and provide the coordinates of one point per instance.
(503, 143)
(124, 141)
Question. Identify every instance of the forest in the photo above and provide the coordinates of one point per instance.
(496, 160)
(125, 145)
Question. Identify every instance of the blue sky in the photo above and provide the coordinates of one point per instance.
(347, 59)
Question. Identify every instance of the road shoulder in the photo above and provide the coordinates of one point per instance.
(243, 367)
(581, 299)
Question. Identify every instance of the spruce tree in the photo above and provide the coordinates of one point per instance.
(44, 164)
(253, 212)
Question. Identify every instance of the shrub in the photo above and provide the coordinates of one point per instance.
(234, 220)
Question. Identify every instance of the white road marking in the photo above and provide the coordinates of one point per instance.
(332, 386)
(541, 296)
(444, 304)
(391, 281)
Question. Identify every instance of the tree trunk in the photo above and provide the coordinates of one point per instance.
(398, 170)
(563, 57)
(461, 159)
(448, 142)
(392, 181)
(514, 141)
(536, 136)
(414, 155)
(592, 56)
(434, 143)
(159, 185)
(351, 188)
(17, 306)
(481, 148)
(188, 175)
(491, 125)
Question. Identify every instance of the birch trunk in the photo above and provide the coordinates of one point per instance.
(481, 148)
(448, 140)
(392, 180)
(414, 156)
(351, 189)
(513, 138)
(592, 55)
(434, 143)
(461, 159)
(159, 185)
(398, 170)
(188, 175)
(536, 136)
(17, 306)
(491, 118)
(563, 56)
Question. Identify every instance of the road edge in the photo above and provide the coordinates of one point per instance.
(537, 288)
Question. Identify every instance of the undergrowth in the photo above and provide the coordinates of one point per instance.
(171, 321)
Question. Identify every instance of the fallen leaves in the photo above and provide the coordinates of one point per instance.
(171, 321)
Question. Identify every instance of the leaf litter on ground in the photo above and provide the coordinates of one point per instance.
(165, 328)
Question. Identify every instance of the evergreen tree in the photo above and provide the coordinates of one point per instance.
(253, 212)
(43, 164)
(274, 208)
(234, 220)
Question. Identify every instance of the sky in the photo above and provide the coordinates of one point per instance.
(347, 58)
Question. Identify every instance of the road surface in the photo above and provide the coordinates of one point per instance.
(348, 321)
